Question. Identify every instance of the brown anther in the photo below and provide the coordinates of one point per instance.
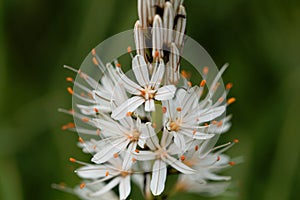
(182, 158)
(196, 148)
(205, 70)
(229, 86)
(203, 82)
(96, 110)
(70, 90)
(128, 114)
(72, 160)
(116, 155)
(118, 65)
(231, 100)
(93, 52)
(82, 185)
(98, 131)
(219, 124)
(95, 61)
(231, 163)
(106, 173)
(218, 158)
(69, 79)
(137, 151)
(85, 119)
(81, 140)
(129, 49)
(236, 141)
(164, 109)
(179, 109)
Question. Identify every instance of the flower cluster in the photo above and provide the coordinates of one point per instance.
(152, 125)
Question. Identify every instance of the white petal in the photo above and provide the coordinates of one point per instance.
(211, 114)
(140, 70)
(165, 93)
(196, 135)
(107, 187)
(91, 171)
(124, 187)
(179, 141)
(128, 106)
(130, 86)
(215, 177)
(166, 138)
(109, 150)
(157, 74)
(158, 180)
(152, 140)
(127, 162)
(145, 155)
(178, 165)
(149, 105)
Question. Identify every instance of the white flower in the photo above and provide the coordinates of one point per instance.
(184, 116)
(116, 171)
(148, 89)
(162, 154)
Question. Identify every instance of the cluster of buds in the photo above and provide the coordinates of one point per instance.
(145, 129)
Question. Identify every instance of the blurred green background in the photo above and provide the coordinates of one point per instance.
(260, 40)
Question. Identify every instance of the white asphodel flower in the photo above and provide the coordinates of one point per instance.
(162, 154)
(123, 135)
(116, 171)
(184, 116)
(146, 91)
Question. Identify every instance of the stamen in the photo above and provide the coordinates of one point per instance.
(179, 109)
(116, 155)
(218, 158)
(133, 159)
(95, 61)
(85, 119)
(137, 151)
(128, 114)
(189, 83)
(81, 140)
(231, 163)
(219, 124)
(156, 54)
(203, 82)
(69, 79)
(106, 173)
(73, 160)
(205, 70)
(229, 86)
(236, 141)
(70, 90)
(196, 148)
(118, 65)
(96, 110)
(82, 185)
(68, 126)
(231, 100)
(182, 158)
(93, 52)
(164, 109)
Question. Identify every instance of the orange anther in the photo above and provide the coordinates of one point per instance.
(219, 124)
(85, 119)
(137, 151)
(164, 109)
(116, 155)
(106, 173)
(156, 54)
(218, 158)
(196, 148)
(128, 114)
(72, 160)
(205, 70)
(179, 109)
(231, 163)
(96, 110)
(129, 49)
(229, 86)
(69, 79)
(95, 61)
(185, 74)
(236, 141)
(70, 90)
(80, 140)
(82, 185)
(93, 52)
(118, 65)
(189, 83)
(231, 100)
(214, 122)
(182, 158)
(203, 82)
(154, 125)
(94, 147)
(133, 159)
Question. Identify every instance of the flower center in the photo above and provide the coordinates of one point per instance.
(124, 173)
(148, 92)
(175, 125)
(134, 136)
